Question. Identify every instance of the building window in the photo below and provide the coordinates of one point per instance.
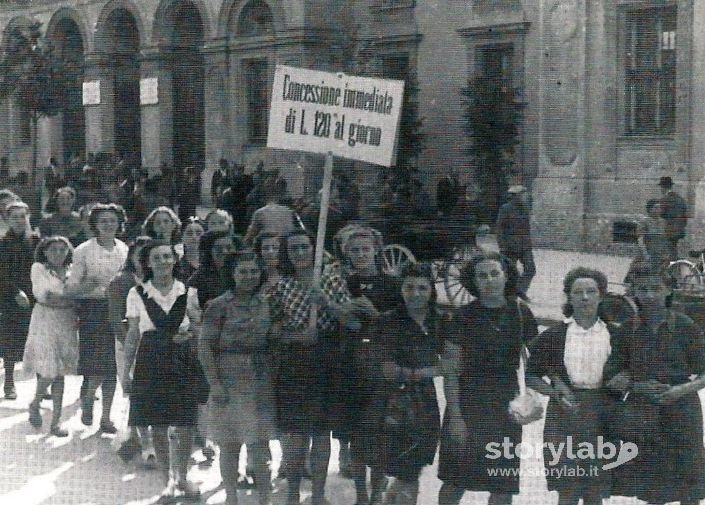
(257, 85)
(496, 64)
(650, 71)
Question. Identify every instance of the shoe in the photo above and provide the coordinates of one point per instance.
(168, 495)
(245, 482)
(10, 393)
(35, 417)
(150, 462)
(108, 427)
(129, 449)
(188, 490)
(87, 411)
(58, 432)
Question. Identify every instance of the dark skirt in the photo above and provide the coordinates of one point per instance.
(303, 389)
(573, 470)
(13, 335)
(164, 393)
(96, 345)
(404, 453)
(670, 467)
(488, 422)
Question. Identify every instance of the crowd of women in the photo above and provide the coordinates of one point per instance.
(189, 313)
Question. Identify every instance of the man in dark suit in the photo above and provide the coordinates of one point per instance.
(447, 193)
(674, 211)
(514, 236)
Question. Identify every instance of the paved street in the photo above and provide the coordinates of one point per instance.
(36, 469)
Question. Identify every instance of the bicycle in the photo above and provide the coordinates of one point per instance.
(688, 275)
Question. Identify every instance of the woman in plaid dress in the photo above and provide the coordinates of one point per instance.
(303, 383)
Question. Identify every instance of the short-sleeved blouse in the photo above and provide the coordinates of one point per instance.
(45, 280)
(291, 302)
(92, 260)
(229, 325)
(136, 308)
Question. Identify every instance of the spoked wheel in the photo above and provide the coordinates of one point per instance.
(455, 292)
(618, 309)
(394, 258)
(685, 275)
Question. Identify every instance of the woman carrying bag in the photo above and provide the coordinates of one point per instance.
(480, 361)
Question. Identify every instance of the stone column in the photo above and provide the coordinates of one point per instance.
(156, 120)
(217, 113)
(100, 119)
(559, 189)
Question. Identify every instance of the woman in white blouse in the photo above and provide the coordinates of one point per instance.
(161, 390)
(95, 263)
(575, 359)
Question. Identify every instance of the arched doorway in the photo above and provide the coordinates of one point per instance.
(189, 148)
(124, 61)
(67, 41)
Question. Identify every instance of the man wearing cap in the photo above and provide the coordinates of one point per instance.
(674, 211)
(514, 236)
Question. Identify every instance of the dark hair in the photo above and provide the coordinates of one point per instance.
(649, 267)
(582, 273)
(424, 271)
(467, 274)
(144, 257)
(148, 224)
(51, 205)
(106, 207)
(40, 251)
(234, 259)
(205, 247)
(192, 220)
(138, 242)
(286, 267)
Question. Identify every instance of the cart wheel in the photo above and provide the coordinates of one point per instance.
(685, 275)
(394, 258)
(456, 292)
(618, 309)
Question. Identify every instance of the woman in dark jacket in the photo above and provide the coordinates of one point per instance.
(16, 300)
(575, 357)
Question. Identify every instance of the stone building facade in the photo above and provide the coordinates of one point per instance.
(614, 90)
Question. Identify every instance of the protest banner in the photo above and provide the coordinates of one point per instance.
(334, 114)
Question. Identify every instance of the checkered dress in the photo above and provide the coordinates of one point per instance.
(291, 302)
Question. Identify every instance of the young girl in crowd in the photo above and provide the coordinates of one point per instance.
(191, 235)
(16, 299)
(52, 343)
(219, 220)
(162, 224)
(63, 220)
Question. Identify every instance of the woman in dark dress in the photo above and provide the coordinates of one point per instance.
(304, 374)
(16, 299)
(664, 360)
(410, 341)
(63, 220)
(373, 292)
(575, 357)
(480, 361)
(163, 389)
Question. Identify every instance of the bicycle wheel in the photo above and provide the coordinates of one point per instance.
(685, 275)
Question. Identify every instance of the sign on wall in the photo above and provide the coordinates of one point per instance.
(149, 91)
(91, 93)
(348, 116)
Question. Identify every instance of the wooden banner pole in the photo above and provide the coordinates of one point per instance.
(321, 235)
